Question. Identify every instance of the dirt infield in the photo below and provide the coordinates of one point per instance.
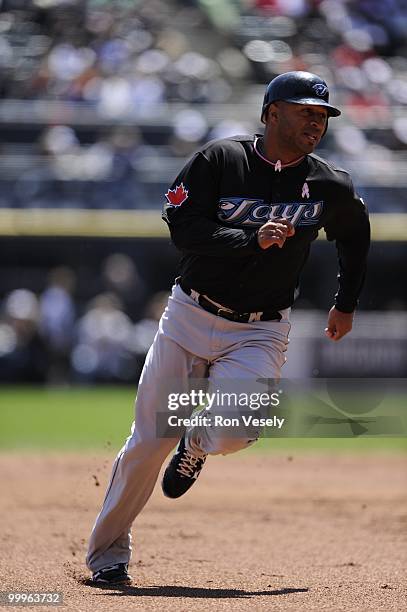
(257, 532)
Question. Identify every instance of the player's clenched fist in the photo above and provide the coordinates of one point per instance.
(275, 232)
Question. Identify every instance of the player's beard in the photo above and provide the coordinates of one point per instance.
(302, 141)
(307, 147)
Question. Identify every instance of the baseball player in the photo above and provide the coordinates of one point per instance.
(244, 212)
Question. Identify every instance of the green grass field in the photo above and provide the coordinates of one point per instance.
(99, 418)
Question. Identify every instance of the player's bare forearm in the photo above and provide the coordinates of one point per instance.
(339, 324)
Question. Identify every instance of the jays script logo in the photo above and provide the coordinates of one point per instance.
(177, 196)
(255, 212)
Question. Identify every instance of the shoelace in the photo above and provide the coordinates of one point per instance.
(188, 464)
(110, 568)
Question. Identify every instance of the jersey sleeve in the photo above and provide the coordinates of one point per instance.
(190, 213)
(350, 228)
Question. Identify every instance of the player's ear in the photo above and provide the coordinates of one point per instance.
(272, 113)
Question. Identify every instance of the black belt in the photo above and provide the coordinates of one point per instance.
(227, 313)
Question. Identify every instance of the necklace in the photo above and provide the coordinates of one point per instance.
(278, 165)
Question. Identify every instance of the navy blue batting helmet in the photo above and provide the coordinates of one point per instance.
(299, 88)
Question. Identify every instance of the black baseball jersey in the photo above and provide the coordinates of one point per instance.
(228, 190)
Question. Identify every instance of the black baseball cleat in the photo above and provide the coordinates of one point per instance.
(181, 472)
(111, 575)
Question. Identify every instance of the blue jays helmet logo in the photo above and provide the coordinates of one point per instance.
(320, 89)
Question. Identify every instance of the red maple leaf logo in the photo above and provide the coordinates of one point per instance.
(177, 196)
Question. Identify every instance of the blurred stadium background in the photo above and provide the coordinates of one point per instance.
(102, 101)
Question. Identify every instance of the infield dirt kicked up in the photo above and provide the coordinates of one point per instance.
(256, 532)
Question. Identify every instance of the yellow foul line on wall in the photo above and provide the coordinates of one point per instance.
(137, 224)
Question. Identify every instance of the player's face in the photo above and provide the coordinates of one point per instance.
(299, 127)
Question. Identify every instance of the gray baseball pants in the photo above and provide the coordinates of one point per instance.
(190, 343)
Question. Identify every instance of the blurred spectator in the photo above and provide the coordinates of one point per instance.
(23, 354)
(121, 276)
(56, 322)
(103, 174)
(101, 353)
